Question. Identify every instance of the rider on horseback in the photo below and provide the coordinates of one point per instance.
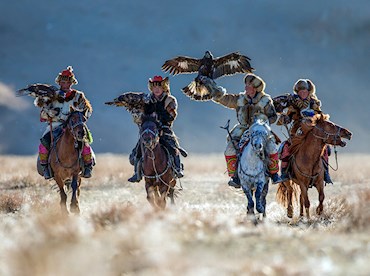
(302, 103)
(56, 113)
(251, 104)
(164, 105)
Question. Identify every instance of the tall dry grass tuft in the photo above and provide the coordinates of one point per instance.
(348, 213)
(106, 219)
(11, 202)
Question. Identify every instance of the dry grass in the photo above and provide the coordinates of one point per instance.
(206, 233)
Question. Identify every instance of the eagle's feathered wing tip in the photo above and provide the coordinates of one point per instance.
(196, 92)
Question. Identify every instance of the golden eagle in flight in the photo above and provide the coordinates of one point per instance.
(207, 66)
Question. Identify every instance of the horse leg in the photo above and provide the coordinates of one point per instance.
(74, 201)
(263, 197)
(63, 195)
(250, 207)
(163, 191)
(305, 201)
(258, 194)
(150, 195)
(289, 193)
(172, 191)
(320, 190)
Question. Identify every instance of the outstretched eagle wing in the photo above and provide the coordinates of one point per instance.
(181, 65)
(231, 64)
(130, 100)
(39, 90)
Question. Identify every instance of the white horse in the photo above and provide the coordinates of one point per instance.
(253, 164)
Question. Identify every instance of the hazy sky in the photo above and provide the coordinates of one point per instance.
(116, 46)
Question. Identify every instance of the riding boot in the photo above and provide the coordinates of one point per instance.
(284, 174)
(87, 171)
(234, 181)
(273, 168)
(232, 164)
(45, 168)
(178, 167)
(275, 178)
(138, 175)
(327, 178)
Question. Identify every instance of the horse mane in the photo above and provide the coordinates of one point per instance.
(306, 126)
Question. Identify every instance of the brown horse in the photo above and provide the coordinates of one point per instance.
(307, 168)
(65, 160)
(157, 167)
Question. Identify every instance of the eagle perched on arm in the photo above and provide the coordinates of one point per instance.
(133, 102)
(208, 66)
(44, 93)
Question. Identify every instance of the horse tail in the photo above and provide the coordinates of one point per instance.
(282, 195)
(296, 192)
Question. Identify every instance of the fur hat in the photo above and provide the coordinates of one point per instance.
(158, 80)
(304, 84)
(256, 81)
(66, 75)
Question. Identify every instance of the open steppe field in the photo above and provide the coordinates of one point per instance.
(205, 233)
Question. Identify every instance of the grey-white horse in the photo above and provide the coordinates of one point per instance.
(253, 164)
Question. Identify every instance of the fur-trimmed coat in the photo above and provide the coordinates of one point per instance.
(58, 110)
(297, 105)
(165, 108)
(260, 106)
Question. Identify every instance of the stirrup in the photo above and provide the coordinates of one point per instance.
(179, 173)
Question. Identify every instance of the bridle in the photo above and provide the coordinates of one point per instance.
(154, 134)
(327, 135)
(154, 138)
(72, 125)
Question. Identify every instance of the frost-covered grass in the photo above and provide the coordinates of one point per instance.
(206, 233)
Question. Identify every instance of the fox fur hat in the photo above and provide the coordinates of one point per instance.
(66, 75)
(304, 84)
(256, 81)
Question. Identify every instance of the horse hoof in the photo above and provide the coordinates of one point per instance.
(260, 209)
(75, 209)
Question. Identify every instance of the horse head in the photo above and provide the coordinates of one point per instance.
(328, 131)
(76, 125)
(149, 132)
(259, 132)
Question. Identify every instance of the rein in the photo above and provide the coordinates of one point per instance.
(157, 176)
(313, 177)
(327, 135)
